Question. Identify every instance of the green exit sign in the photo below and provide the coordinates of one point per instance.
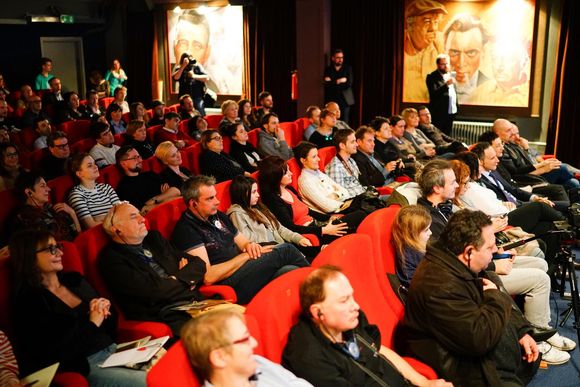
(67, 19)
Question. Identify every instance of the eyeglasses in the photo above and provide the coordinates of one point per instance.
(13, 154)
(53, 249)
(138, 157)
(61, 146)
(243, 340)
(216, 138)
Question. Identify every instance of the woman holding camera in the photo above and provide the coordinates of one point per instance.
(191, 78)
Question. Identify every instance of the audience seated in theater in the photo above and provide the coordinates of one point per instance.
(409, 235)
(37, 213)
(519, 163)
(334, 108)
(319, 191)
(10, 167)
(92, 108)
(424, 147)
(373, 172)
(137, 112)
(196, 126)
(4, 136)
(266, 102)
(120, 93)
(78, 328)
(114, 117)
(212, 341)
(115, 76)
(55, 162)
(475, 335)
(323, 135)
(174, 173)
(9, 123)
(144, 190)
(186, 110)
(145, 273)
(229, 113)
(246, 114)
(99, 84)
(33, 111)
(272, 139)
(213, 161)
(385, 150)
(284, 202)
(255, 221)
(555, 192)
(90, 200)
(42, 127)
(443, 142)
(333, 343)
(41, 81)
(171, 132)
(8, 365)
(54, 98)
(230, 257)
(242, 151)
(404, 146)
(70, 110)
(26, 93)
(136, 136)
(158, 108)
(103, 152)
(313, 115)
(342, 168)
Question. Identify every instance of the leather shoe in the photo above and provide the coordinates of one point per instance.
(542, 334)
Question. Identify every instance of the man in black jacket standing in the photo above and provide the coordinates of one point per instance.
(442, 95)
(338, 84)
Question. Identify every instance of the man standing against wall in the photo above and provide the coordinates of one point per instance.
(338, 84)
(442, 95)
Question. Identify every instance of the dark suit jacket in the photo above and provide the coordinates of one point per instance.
(369, 174)
(515, 161)
(139, 290)
(521, 195)
(438, 94)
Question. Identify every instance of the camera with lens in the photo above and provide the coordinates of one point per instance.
(191, 63)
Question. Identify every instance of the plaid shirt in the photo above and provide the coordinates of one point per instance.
(337, 172)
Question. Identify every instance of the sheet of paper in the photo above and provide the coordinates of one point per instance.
(135, 355)
(41, 378)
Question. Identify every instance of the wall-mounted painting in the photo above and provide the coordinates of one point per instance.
(213, 36)
(489, 44)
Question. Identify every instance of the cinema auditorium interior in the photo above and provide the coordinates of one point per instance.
(289, 193)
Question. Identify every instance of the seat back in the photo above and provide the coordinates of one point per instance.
(354, 255)
(326, 154)
(27, 138)
(296, 171)
(105, 102)
(227, 144)
(223, 195)
(120, 139)
(6, 297)
(151, 132)
(213, 120)
(75, 130)
(290, 130)
(192, 153)
(83, 145)
(174, 108)
(59, 188)
(276, 309)
(9, 203)
(153, 164)
(89, 245)
(111, 175)
(164, 217)
(253, 137)
(378, 227)
(301, 124)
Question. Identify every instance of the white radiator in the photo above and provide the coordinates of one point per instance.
(469, 131)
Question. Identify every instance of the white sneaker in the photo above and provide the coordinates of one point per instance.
(562, 343)
(551, 355)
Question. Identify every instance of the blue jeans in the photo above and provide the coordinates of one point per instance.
(257, 273)
(199, 105)
(562, 176)
(113, 376)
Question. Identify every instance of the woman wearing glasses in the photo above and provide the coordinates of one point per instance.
(10, 166)
(76, 323)
(214, 162)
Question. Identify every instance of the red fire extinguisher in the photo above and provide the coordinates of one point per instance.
(294, 85)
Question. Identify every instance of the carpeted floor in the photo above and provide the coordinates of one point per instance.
(565, 375)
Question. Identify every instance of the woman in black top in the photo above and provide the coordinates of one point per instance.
(214, 162)
(281, 199)
(174, 173)
(60, 317)
(240, 149)
(136, 137)
(246, 114)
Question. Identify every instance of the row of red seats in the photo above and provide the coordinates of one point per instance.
(365, 258)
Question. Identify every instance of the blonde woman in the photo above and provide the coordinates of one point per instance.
(410, 233)
(174, 173)
(230, 114)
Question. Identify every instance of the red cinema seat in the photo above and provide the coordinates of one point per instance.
(227, 144)
(326, 154)
(354, 255)
(83, 145)
(213, 120)
(378, 226)
(120, 139)
(105, 102)
(111, 175)
(253, 137)
(276, 309)
(126, 117)
(289, 129)
(223, 195)
(185, 161)
(9, 203)
(34, 159)
(301, 124)
(183, 126)
(174, 108)
(296, 171)
(153, 164)
(192, 153)
(151, 133)
(75, 130)
(163, 217)
(27, 138)
(59, 188)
